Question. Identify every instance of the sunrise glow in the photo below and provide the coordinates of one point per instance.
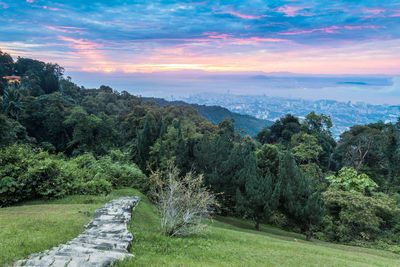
(293, 36)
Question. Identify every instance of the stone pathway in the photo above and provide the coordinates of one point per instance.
(105, 241)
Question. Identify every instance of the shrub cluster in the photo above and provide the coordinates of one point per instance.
(27, 173)
(357, 215)
(352, 216)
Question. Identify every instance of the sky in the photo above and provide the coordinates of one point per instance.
(109, 39)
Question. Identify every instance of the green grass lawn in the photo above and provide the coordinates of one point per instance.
(38, 225)
(233, 242)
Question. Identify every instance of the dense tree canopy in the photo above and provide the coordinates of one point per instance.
(294, 171)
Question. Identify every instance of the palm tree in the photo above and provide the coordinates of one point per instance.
(12, 101)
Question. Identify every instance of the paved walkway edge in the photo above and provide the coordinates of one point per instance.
(105, 241)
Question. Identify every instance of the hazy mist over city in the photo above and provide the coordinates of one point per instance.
(372, 89)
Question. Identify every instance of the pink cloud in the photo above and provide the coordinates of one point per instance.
(254, 40)
(44, 7)
(395, 15)
(235, 40)
(293, 11)
(173, 51)
(3, 5)
(223, 36)
(361, 27)
(382, 13)
(238, 14)
(91, 56)
(374, 11)
(29, 1)
(242, 16)
(79, 44)
(74, 28)
(51, 8)
(66, 29)
(332, 29)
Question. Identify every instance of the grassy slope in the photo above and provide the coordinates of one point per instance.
(40, 225)
(232, 242)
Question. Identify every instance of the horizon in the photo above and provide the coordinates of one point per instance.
(172, 85)
(157, 47)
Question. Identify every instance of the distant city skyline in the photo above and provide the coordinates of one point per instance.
(372, 89)
(104, 40)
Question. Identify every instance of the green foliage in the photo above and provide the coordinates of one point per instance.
(281, 131)
(44, 118)
(305, 148)
(352, 216)
(47, 76)
(12, 103)
(15, 184)
(391, 152)
(90, 133)
(11, 131)
(234, 242)
(235, 170)
(317, 124)
(299, 201)
(89, 178)
(6, 69)
(54, 115)
(27, 173)
(49, 176)
(259, 198)
(121, 173)
(349, 180)
(257, 202)
(250, 125)
(312, 170)
(153, 127)
(268, 159)
(360, 146)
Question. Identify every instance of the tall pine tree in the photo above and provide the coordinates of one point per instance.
(298, 199)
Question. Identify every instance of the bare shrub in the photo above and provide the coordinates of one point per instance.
(183, 202)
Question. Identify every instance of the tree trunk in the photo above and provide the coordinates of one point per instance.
(257, 225)
(309, 233)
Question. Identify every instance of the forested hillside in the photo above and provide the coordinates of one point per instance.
(246, 124)
(58, 138)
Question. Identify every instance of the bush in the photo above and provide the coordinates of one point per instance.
(120, 172)
(349, 180)
(27, 173)
(352, 216)
(182, 201)
(89, 178)
(97, 185)
(113, 170)
(15, 184)
(51, 181)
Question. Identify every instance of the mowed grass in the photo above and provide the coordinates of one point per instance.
(38, 225)
(233, 242)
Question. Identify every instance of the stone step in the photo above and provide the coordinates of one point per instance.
(104, 242)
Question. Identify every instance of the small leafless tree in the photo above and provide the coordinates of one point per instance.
(183, 202)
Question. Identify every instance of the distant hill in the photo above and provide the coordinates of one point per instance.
(249, 124)
(343, 114)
